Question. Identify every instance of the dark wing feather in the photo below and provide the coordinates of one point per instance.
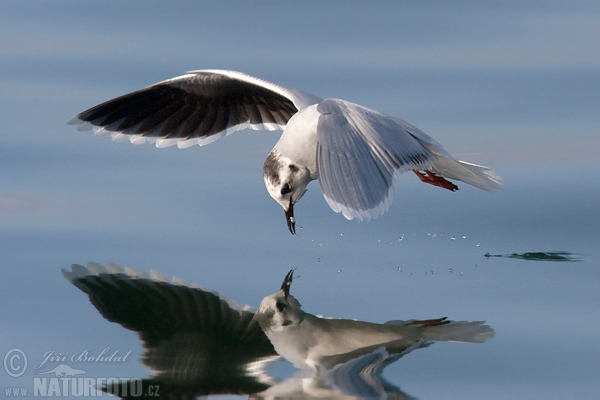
(171, 317)
(196, 108)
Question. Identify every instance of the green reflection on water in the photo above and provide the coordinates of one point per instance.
(539, 256)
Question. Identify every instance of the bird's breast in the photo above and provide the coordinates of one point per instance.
(299, 139)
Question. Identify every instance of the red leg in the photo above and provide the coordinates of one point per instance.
(430, 322)
(435, 180)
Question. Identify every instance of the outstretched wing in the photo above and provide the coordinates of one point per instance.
(179, 324)
(196, 108)
(360, 152)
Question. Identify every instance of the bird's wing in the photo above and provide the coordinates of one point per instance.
(196, 108)
(361, 377)
(176, 321)
(360, 152)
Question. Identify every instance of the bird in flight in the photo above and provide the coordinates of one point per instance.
(355, 153)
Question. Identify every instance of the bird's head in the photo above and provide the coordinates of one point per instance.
(286, 182)
(280, 310)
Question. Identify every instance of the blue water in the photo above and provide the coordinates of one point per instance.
(514, 86)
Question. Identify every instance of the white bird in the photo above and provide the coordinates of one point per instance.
(199, 342)
(319, 344)
(355, 153)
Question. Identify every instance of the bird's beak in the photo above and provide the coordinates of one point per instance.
(289, 218)
(287, 282)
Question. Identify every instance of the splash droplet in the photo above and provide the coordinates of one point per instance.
(452, 238)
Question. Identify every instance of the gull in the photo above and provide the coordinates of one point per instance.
(319, 344)
(199, 342)
(355, 153)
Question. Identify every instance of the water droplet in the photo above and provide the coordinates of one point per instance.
(464, 236)
(476, 265)
(319, 259)
(320, 244)
(451, 270)
(339, 270)
(399, 269)
(461, 273)
(477, 244)
(425, 272)
(452, 238)
(431, 272)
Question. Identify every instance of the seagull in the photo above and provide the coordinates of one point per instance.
(199, 342)
(355, 153)
(319, 344)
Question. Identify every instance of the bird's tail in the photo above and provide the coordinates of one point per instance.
(449, 167)
(442, 330)
(473, 174)
(459, 331)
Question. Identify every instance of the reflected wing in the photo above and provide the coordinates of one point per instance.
(196, 108)
(361, 376)
(360, 152)
(393, 350)
(186, 329)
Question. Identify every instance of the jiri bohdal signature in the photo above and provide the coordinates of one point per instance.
(106, 355)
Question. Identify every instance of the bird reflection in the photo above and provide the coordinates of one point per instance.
(198, 342)
(319, 344)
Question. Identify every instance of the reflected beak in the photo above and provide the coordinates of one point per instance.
(289, 218)
(287, 282)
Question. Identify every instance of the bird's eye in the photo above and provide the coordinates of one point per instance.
(280, 306)
(286, 189)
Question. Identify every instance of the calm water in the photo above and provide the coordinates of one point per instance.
(512, 86)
